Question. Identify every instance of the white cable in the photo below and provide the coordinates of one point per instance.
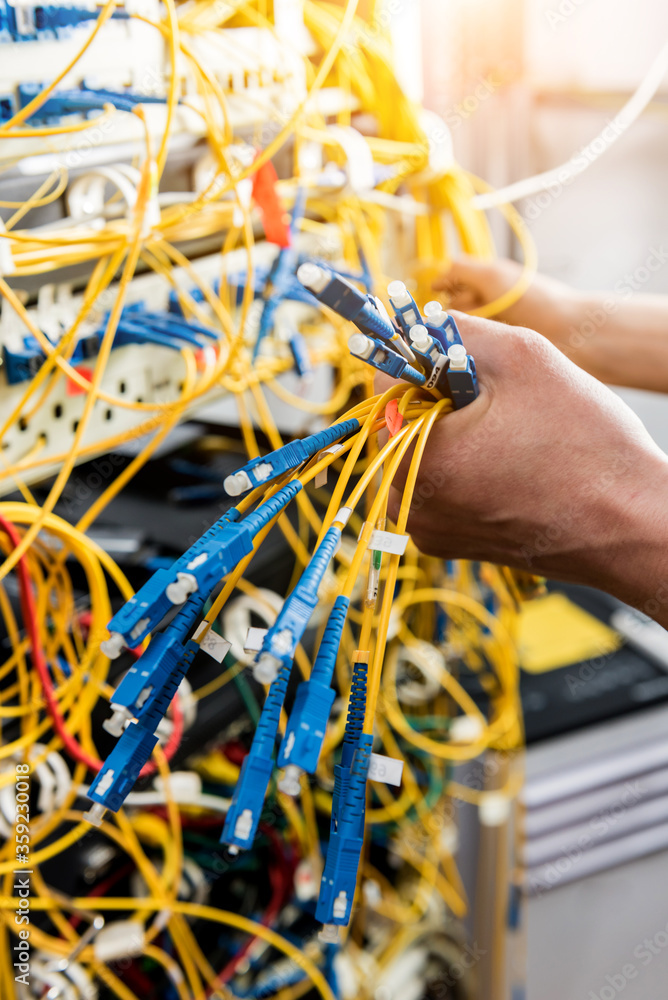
(214, 803)
(583, 159)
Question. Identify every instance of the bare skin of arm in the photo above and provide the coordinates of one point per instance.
(620, 338)
(548, 470)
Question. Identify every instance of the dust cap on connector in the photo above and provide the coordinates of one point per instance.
(115, 724)
(289, 783)
(265, 671)
(179, 590)
(237, 483)
(95, 814)
(360, 345)
(419, 335)
(435, 312)
(329, 934)
(113, 646)
(457, 355)
(398, 294)
(313, 277)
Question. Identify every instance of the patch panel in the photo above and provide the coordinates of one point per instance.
(20, 22)
(264, 79)
(148, 372)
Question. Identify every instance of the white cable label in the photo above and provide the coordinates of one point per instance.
(321, 478)
(385, 769)
(388, 541)
(254, 640)
(437, 369)
(215, 645)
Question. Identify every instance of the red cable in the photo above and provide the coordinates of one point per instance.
(103, 887)
(279, 877)
(272, 911)
(29, 613)
(174, 741)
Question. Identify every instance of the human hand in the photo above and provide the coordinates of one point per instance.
(547, 470)
(548, 306)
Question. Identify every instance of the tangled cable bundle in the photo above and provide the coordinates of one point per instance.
(378, 653)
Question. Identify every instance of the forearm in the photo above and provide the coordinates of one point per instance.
(632, 561)
(620, 340)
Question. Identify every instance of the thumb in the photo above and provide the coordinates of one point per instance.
(466, 270)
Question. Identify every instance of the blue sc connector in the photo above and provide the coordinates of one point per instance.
(290, 456)
(441, 325)
(432, 358)
(282, 639)
(461, 376)
(351, 737)
(384, 359)
(300, 354)
(216, 552)
(120, 771)
(339, 878)
(141, 692)
(122, 768)
(406, 312)
(23, 364)
(7, 110)
(147, 692)
(366, 312)
(30, 23)
(199, 569)
(273, 666)
(243, 816)
(281, 274)
(305, 731)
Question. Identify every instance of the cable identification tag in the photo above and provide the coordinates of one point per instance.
(321, 478)
(439, 365)
(388, 541)
(386, 769)
(215, 645)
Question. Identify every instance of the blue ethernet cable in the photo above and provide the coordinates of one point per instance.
(166, 666)
(384, 359)
(274, 665)
(305, 732)
(366, 312)
(290, 456)
(200, 568)
(281, 274)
